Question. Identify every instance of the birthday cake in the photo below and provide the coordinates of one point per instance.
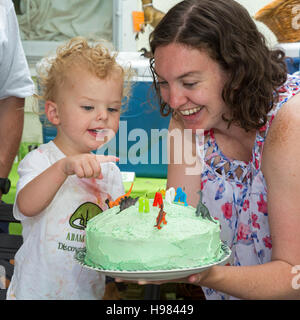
(161, 237)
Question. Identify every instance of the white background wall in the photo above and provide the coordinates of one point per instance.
(252, 5)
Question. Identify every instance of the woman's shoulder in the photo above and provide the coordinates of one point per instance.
(286, 125)
(290, 110)
(287, 109)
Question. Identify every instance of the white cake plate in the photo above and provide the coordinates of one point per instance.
(155, 275)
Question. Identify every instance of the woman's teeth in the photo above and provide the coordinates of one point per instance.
(190, 111)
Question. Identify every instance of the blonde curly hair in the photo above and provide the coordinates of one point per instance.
(78, 52)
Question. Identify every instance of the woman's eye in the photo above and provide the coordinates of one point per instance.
(189, 84)
(162, 83)
(87, 108)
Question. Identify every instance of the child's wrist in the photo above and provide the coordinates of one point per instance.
(61, 165)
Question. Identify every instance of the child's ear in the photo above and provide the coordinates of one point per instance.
(51, 111)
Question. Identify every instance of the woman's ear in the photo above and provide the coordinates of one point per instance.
(51, 111)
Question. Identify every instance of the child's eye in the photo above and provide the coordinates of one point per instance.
(113, 109)
(87, 108)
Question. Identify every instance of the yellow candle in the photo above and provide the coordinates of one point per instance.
(147, 208)
(141, 204)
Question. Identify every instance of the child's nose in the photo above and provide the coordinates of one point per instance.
(102, 114)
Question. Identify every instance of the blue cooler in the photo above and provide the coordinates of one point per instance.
(141, 143)
(292, 52)
(293, 65)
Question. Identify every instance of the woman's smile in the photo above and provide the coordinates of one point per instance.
(190, 112)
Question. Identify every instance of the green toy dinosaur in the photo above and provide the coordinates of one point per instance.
(202, 210)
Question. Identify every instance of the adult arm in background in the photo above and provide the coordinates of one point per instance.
(15, 85)
(11, 128)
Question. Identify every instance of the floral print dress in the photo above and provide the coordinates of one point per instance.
(235, 193)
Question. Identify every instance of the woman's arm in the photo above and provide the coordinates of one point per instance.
(183, 165)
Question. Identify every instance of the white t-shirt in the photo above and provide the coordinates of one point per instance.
(44, 265)
(15, 80)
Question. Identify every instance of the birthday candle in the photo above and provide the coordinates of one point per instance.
(147, 208)
(141, 204)
(157, 199)
(183, 198)
(170, 195)
(180, 196)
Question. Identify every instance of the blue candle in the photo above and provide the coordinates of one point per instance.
(180, 196)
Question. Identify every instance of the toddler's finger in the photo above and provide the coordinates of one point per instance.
(102, 158)
(79, 171)
(87, 169)
(95, 165)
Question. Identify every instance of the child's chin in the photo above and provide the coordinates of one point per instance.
(97, 145)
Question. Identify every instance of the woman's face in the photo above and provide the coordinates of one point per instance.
(191, 83)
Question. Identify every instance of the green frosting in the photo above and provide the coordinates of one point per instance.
(128, 240)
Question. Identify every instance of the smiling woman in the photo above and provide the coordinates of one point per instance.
(214, 72)
(240, 52)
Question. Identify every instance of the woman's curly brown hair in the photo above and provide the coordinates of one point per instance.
(225, 30)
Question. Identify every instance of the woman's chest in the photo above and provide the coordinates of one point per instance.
(238, 147)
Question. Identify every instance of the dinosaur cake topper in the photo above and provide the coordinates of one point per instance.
(127, 202)
(111, 204)
(202, 210)
(161, 217)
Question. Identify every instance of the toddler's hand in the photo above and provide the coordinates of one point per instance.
(85, 165)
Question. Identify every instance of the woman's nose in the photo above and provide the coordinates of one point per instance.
(177, 98)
